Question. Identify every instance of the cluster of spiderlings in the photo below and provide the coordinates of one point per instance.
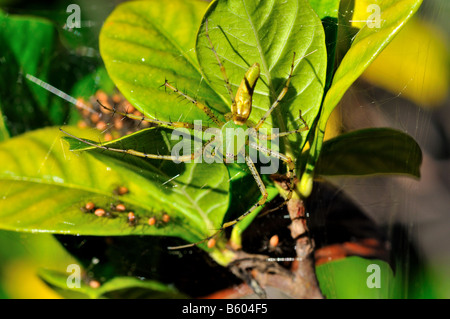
(133, 220)
(113, 212)
(113, 125)
(117, 209)
(153, 221)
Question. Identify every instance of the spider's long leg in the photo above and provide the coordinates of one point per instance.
(201, 106)
(286, 159)
(222, 68)
(261, 187)
(261, 202)
(275, 135)
(183, 158)
(279, 98)
(153, 121)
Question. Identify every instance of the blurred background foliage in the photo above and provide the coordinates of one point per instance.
(415, 67)
(34, 39)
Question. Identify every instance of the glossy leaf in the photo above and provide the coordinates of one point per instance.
(370, 151)
(145, 43)
(246, 32)
(369, 42)
(45, 187)
(366, 46)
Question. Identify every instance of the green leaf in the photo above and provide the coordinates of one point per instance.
(145, 43)
(22, 102)
(370, 151)
(366, 46)
(369, 42)
(44, 187)
(187, 180)
(245, 32)
(118, 287)
(349, 277)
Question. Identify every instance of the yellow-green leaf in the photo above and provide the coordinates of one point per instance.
(365, 47)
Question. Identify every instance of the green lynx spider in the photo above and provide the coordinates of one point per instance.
(241, 106)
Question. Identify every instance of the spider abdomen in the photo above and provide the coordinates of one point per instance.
(242, 106)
